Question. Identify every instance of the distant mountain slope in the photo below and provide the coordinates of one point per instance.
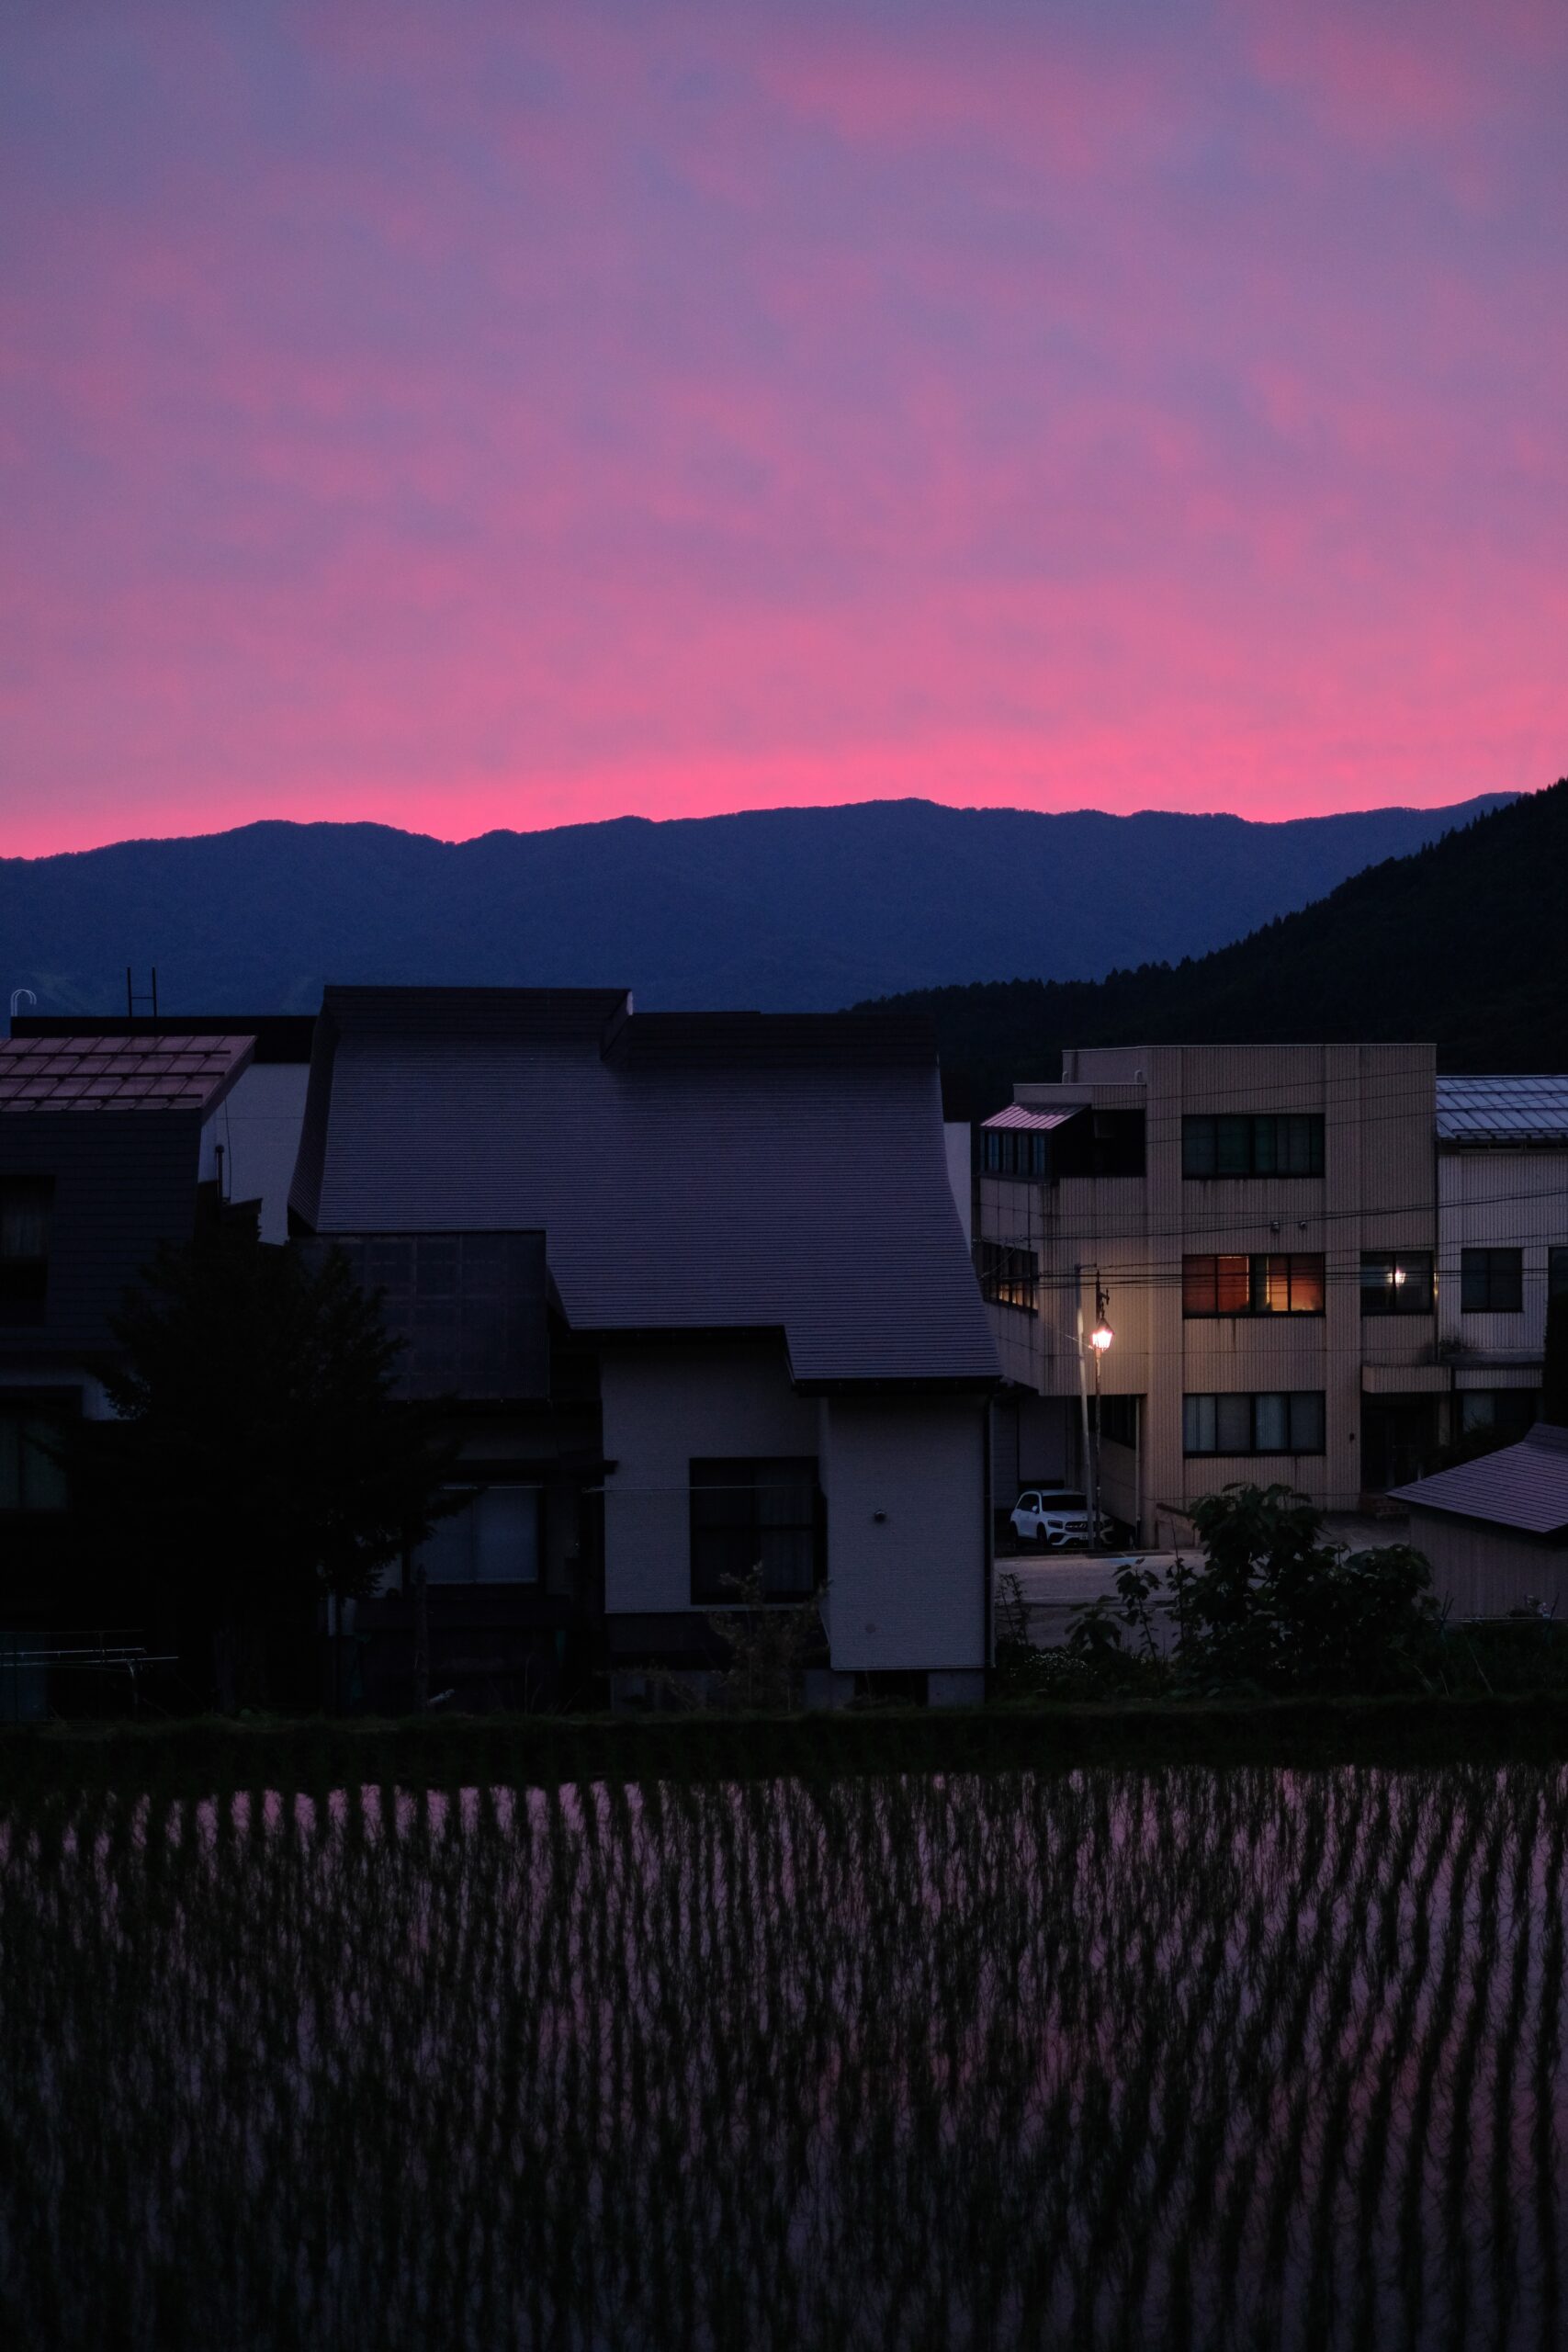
(1464, 943)
(803, 908)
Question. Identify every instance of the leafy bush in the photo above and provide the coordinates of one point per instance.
(768, 1643)
(1274, 1607)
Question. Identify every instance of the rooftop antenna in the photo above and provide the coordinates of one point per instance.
(132, 1000)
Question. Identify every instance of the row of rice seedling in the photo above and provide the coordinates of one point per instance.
(1104, 2058)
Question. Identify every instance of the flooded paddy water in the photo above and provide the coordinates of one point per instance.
(1107, 2058)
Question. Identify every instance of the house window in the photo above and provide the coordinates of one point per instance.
(1273, 1421)
(1396, 1282)
(1508, 1411)
(1271, 1283)
(1115, 1418)
(1010, 1277)
(751, 1514)
(32, 1474)
(1492, 1281)
(493, 1538)
(1017, 1151)
(1099, 1143)
(1557, 1273)
(1266, 1142)
(27, 1209)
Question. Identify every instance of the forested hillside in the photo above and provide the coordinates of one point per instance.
(1465, 943)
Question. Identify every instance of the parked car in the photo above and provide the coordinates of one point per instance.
(1054, 1517)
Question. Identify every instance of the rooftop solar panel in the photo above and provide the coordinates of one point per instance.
(468, 1308)
(1504, 1109)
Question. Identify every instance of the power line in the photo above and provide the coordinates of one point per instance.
(1332, 1087)
(1099, 1236)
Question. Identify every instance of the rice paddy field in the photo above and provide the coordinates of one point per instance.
(1099, 2057)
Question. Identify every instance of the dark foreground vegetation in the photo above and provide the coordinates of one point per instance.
(1109, 2057)
(1514, 1720)
(1464, 943)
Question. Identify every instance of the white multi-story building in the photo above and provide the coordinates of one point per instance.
(1502, 1241)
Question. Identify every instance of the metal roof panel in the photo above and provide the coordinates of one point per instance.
(1017, 1114)
(727, 1176)
(1523, 1487)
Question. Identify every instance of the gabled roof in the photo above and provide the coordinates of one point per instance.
(1523, 1487)
(1503, 1110)
(174, 1071)
(689, 1171)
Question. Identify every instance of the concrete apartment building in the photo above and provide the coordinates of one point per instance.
(1257, 1225)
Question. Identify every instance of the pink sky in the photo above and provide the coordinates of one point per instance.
(509, 416)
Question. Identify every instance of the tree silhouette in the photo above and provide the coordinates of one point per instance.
(261, 1461)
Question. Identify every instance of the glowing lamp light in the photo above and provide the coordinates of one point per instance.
(1102, 1336)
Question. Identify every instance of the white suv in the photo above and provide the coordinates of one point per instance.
(1054, 1516)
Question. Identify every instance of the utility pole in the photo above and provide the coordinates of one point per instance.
(1099, 1339)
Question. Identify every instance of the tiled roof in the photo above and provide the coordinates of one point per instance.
(279, 1036)
(1018, 1115)
(713, 1172)
(1503, 1110)
(1523, 1487)
(171, 1072)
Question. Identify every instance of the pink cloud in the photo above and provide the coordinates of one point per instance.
(616, 414)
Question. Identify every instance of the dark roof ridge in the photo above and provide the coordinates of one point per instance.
(626, 1037)
(474, 1012)
(900, 1040)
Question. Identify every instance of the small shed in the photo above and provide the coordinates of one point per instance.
(1495, 1530)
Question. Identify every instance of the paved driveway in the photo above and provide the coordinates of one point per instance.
(1056, 1584)
(1059, 1584)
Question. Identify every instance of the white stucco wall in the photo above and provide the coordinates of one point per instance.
(661, 1407)
(258, 1124)
(907, 1590)
(1501, 1199)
